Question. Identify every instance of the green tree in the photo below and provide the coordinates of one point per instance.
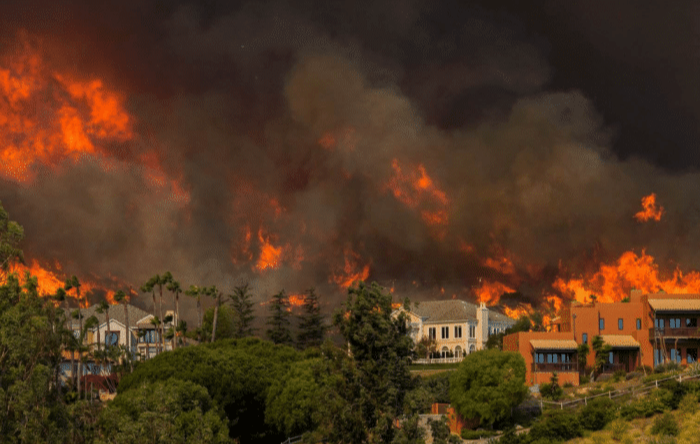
(439, 429)
(279, 320)
(410, 432)
(226, 326)
(602, 351)
(242, 303)
(425, 347)
(74, 283)
(311, 326)
(150, 287)
(120, 297)
(172, 411)
(487, 384)
(196, 293)
(217, 295)
(31, 338)
(582, 356)
(11, 235)
(381, 350)
(174, 288)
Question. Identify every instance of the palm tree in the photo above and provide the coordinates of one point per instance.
(196, 292)
(103, 307)
(120, 296)
(216, 294)
(150, 287)
(71, 283)
(174, 287)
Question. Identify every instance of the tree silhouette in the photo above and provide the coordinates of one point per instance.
(242, 303)
(279, 320)
(311, 328)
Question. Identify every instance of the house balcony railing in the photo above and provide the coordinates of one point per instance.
(560, 367)
(438, 360)
(612, 368)
(681, 332)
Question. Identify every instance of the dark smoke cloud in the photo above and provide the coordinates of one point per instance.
(520, 116)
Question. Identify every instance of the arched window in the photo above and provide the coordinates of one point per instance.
(472, 348)
(445, 352)
(458, 352)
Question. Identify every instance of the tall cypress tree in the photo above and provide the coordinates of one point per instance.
(279, 320)
(311, 327)
(242, 304)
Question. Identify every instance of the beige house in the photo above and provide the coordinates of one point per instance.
(458, 327)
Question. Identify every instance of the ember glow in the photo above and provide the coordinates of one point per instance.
(650, 211)
(351, 272)
(269, 254)
(415, 189)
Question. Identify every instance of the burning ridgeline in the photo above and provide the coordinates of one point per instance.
(648, 330)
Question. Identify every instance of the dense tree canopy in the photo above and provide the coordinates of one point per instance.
(171, 411)
(487, 384)
(11, 234)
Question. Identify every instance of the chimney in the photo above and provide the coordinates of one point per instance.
(482, 327)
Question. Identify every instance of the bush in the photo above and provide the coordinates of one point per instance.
(689, 404)
(619, 375)
(477, 434)
(618, 429)
(557, 426)
(633, 375)
(568, 384)
(597, 414)
(658, 401)
(552, 390)
(584, 379)
(665, 425)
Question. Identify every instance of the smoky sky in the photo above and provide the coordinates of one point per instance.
(543, 124)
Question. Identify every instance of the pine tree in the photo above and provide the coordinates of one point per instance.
(311, 327)
(242, 303)
(279, 320)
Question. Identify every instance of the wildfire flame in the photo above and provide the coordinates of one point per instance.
(269, 254)
(490, 292)
(350, 273)
(649, 209)
(615, 281)
(416, 189)
(49, 281)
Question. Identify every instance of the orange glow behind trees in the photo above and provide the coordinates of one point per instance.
(649, 209)
(351, 272)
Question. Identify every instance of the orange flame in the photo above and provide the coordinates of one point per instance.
(416, 189)
(350, 274)
(46, 116)
(518, 312)
(269, 254)
(615, 281)
(649, 209)
(490, 292)
(50, 281)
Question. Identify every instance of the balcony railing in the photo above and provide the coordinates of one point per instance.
(682, 332)
(551, 367)
(438, 360)
(612, 368)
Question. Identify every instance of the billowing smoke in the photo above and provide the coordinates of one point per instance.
(306, 146)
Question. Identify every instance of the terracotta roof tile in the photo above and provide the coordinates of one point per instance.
(620, 341)
(675, 304)
(553, 344)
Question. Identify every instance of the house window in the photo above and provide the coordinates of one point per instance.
(611, 358)
(658, 357)
(458, 352)
(659, 324)
(691, 322)
(674, 323)
(445, 332)
(445, 351)
(601, 324)
(472, 348)
(458, 332)
(691, 355)
(111, 338)
(620, 324)
(675, 355)
(472, 331)
(431, 333)
(585, 338)
(639, 324)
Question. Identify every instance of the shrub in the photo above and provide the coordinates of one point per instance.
(665, 425)
(477, 434)
(618, 428)
(619, 375)
(657, 401)
(584, 379)
(633, 375)
(689, 404)
(557, 426)
(568, 384)
(597, 414)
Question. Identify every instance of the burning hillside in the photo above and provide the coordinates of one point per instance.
(231, 155)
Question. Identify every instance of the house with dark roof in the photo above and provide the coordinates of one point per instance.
(458, 327)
